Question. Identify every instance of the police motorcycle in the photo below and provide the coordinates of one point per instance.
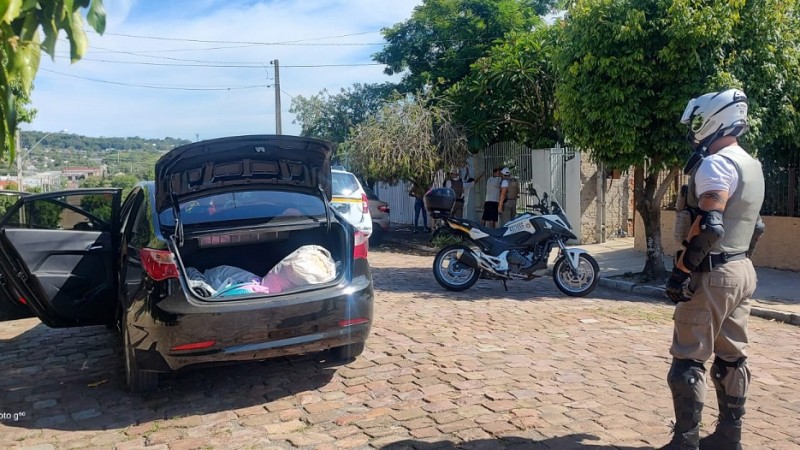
(518, 251)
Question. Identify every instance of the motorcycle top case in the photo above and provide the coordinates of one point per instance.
(439, 202)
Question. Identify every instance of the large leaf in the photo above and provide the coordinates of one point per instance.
(50, 28)
(10, 9)
(78, 43)
(97, 16)
(26, 64)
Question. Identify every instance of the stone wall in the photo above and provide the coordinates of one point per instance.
(778, 248)
(618, 190)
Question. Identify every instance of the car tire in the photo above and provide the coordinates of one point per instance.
(377, 235)
(136, 379)
(347, 352)
(12, 310)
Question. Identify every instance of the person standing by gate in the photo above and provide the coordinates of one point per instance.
(418, 192)
(713, 278)
(508, 197)
(457, 185)
(492, 204)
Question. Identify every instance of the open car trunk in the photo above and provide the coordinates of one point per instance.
(228, 265)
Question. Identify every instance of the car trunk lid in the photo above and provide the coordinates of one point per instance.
(202, 168)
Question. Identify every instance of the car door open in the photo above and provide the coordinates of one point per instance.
(57, 252)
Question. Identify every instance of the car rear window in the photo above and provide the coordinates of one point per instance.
(344, 183)
(247, 205)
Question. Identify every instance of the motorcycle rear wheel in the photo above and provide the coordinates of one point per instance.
(577, 284)
(452, 274)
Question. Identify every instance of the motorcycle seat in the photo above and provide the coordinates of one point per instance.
(496, 232)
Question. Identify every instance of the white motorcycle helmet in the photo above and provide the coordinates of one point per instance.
(712, 116)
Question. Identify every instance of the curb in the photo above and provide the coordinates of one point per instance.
(659, 293)
(649, 291)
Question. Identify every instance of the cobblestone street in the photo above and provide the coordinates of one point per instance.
(525, 369)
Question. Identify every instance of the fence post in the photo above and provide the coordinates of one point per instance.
(792, 190)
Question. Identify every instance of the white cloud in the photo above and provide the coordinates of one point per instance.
(93, 108)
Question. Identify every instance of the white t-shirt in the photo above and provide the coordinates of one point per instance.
(493, 186)
(717, 173)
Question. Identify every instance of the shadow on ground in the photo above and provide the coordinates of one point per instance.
(570, 442)
(68, 379)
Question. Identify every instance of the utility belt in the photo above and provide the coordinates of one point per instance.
(709, 262)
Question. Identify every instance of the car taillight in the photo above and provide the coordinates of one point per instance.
(194, 346)
(351, 322)
(384, 209)
(362, 242)
(364, 204)
(159, 264)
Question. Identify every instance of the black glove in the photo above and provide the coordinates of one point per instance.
(677, 286)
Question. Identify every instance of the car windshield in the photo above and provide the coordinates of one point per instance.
(344, 183)
(247, 205)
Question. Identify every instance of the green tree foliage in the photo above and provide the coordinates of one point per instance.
(510, 94)
(626, 70)
(98, 205)
(98, 144)
(443, 37)
(766, 57)
(21, 42)
(409, 139)
(7, 201)
(332, 116)
(121, 181)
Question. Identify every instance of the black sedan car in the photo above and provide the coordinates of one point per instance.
(233, 253)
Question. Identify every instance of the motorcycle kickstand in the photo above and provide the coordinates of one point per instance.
(504, 284)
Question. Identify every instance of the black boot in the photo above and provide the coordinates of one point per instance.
(687, 382)
(684, 441)
(727, 436)
(728, 433)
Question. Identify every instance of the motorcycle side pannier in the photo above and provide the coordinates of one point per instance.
(439, 202)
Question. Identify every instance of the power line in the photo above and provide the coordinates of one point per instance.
(253, 65)
(207, 41)
(147, 63)
(290, 95)
(155, 86)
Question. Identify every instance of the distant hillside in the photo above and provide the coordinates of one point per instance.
(133, 156)
(97, 144)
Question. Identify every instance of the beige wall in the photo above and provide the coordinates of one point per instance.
(778, 248)
(619, 211)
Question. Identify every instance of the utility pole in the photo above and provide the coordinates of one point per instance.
(18, 158)
(277, 97)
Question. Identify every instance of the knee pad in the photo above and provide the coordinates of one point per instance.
(731, 381)
(687, 378)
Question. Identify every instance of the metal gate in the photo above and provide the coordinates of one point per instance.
(544, 170)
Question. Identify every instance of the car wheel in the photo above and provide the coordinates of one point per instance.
(137, 380)
(377, 235)
(12, 310)
(347, 352)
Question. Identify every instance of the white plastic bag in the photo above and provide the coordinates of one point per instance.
(309, 264)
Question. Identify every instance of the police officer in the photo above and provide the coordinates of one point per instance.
(713, 278)
(508, 198)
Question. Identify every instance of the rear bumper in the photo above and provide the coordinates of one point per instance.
(244, 331)
(382, 223)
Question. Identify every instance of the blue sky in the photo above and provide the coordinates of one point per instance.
(189, 68)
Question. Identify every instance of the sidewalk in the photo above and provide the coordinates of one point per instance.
(777, 296)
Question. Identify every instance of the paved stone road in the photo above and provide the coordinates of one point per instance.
(528, 368)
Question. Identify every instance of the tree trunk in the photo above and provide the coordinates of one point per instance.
(648, 195)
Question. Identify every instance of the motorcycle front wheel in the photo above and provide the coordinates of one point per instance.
(579, 283)
(451, 273)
